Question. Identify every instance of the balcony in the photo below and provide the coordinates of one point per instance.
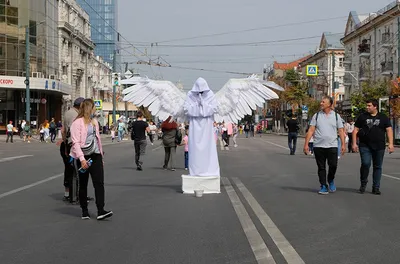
(365, 74)
(66, 25)
(386, 40)
(387, 68)
(364, 49)
(347, 60)
(347, 79)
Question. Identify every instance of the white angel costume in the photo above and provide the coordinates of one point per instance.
(201, 107)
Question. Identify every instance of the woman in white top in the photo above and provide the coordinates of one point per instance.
(153, 129)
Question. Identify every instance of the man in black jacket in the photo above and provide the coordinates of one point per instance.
(293, 127)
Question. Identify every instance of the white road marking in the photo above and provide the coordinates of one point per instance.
(257, 244)
(275, 144)
(14, 158)
(30, 185)
(391, 177)
(288, 252)
(156, 148)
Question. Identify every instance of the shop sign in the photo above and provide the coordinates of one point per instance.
(6, 81)
(33, 100)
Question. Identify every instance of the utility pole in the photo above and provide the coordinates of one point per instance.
(27, 74)
(114, 87)
(333, 78)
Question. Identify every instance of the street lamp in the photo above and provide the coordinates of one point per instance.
(27, 72)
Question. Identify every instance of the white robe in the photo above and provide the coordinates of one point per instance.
(200, 108)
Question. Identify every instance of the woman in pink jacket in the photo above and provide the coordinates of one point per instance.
(88, 152)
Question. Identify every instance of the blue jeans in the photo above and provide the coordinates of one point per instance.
(186, 159)
(292, 137)
(120, 135)
(376, 156)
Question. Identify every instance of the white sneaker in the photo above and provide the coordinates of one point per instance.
(235, 146)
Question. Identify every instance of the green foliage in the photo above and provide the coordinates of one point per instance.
(369, 90)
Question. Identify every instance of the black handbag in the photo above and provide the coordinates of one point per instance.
(178, 137)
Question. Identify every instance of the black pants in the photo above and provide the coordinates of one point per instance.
(96, 171)
(52, 134)
(151, 137)
(140, 151)
(321, 156)
(10, 134)
(350, 143)
(169, 157)
(68, 168)
(292, 141)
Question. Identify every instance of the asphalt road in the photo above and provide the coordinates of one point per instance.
(268, 211)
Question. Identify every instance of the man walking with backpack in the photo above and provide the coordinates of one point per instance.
(325, 126)
(371, 128)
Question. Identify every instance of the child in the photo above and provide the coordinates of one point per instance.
(311, 144)
(41, 131)
(112, 133)
(185, 142)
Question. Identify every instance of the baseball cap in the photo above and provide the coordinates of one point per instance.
(78, 101)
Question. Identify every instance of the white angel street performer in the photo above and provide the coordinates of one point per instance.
(200, 107)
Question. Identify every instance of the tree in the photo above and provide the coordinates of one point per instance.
(368, 90)
(313, 106)
(296, 93)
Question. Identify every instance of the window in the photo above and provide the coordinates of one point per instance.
(341, 62)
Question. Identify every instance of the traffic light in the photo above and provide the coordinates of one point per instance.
(116, 78)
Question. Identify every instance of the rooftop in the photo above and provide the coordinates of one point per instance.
(289, 65)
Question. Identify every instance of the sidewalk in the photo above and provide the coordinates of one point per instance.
(35, 138)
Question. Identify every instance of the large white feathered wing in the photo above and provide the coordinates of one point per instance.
(162, 98)
(239, 97)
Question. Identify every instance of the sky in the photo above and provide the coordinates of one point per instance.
(172, 25)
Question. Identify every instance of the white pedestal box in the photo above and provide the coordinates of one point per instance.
(209, 184)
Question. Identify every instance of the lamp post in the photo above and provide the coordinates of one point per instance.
(27, 73)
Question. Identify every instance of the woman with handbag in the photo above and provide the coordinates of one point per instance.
(88, 154)
(170, 135)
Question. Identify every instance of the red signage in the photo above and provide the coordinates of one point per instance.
(6, 81)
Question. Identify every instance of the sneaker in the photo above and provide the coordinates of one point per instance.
(362, 189)
(376, 191)
(104, 214)
(85, 215)
(186, 168)
(323, 190)
(332, 187)
(139, 168)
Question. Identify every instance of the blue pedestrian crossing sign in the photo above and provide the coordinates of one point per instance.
(98, 104)
(312, 70)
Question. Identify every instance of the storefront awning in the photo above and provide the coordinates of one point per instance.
(15, 82)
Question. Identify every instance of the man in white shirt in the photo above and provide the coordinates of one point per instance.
(10, 131)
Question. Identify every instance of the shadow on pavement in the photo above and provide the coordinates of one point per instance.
(315, 190)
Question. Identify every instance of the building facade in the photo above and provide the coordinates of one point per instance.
(46, 89)
(76, 49)
(371, 47)
(104, 18)
(329, 58)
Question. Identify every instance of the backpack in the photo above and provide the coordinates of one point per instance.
(178, 137)
(26, 128)
(316, 118)
(52, 125)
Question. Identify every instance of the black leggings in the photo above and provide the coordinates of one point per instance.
(96, 171)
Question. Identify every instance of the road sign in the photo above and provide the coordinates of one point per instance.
(304, 108)
(312, 70)
(98, 104)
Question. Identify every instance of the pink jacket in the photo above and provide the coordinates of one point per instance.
(78, 137)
